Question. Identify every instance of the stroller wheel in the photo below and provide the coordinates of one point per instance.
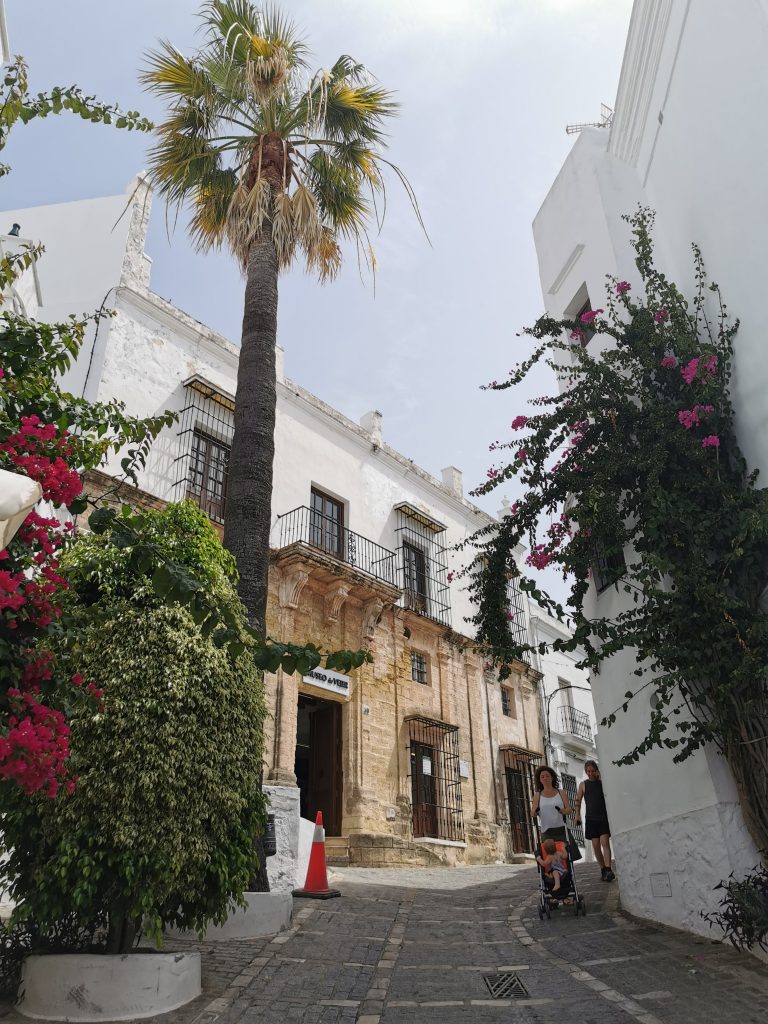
(549, 915)
(541, 914)
(583, 906)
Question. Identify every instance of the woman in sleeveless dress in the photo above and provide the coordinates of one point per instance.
(550, 803)
(596, 825)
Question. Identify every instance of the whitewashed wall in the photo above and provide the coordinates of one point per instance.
(685, 142)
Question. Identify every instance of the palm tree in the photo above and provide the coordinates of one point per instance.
(273, 162)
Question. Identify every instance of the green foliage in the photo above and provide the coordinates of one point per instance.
(640, 450)
(160, 825)
(175, 557)
(18, 104)
(743, 911)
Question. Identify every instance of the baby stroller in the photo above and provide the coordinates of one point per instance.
(568, 890)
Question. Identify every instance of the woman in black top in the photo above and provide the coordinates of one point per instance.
(596, 825)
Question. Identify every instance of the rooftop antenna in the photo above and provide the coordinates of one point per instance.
(606, 119)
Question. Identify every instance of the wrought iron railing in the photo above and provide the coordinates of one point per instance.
(575, 722)
(307, 526)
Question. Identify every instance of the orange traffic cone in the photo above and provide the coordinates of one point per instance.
(316, 884)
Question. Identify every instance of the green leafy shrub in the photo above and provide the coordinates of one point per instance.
(167, 753)
(743, 910)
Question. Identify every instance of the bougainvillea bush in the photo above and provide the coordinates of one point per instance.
(159, 827)
(53, 438)
(635, 467)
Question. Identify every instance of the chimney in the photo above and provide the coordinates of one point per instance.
(371, 422)
(452, 480)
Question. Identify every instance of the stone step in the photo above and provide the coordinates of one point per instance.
(337, 850)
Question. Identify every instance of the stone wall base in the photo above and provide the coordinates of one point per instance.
(379, 851)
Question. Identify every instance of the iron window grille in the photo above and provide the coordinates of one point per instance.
(517, 623)
(608, 566)
(206, 428)
(508, 702)
(419, 672)
(519, 768)
(435, 779)
(423, 564)
(306, 525)
(568, 783)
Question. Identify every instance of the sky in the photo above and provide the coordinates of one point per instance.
(486, 89)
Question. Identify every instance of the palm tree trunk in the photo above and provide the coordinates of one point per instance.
(248, 515)
(249, 485)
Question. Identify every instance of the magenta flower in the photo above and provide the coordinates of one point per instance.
(688, 418)
(669, 362)
(518, 422)
(450, 576)
(590, 315)
(577, 335)
(689, 371)
(661, 315)
(622, 287)
(2, 373)
(710, 366)
(712, 441)
(492, 473)
(522, 455)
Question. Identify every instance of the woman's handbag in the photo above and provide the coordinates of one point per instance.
(573, 848)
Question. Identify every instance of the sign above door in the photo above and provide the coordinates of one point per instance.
(327, 679)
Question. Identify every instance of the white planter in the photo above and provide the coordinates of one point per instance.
(268, 914)
(98, 987)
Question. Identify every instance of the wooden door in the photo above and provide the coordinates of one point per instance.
(424, 790)
(325, 776)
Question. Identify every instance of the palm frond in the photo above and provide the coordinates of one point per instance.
(210, 204)
(338, 193)
(324, 258)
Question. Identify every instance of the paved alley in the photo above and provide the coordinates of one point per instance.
(394, 951)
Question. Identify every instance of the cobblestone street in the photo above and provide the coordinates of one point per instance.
(413, 947)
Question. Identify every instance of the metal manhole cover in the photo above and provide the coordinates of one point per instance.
(504, 985)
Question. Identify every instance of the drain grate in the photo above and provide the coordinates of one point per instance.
(504, 985)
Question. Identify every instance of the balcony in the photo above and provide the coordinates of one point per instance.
(326, 538)
(575, 723)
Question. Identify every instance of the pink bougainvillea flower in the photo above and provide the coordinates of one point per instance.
(589, 315)
(518, 422)
(577, 335)
(522, 455)
(687, 418)
(669, 362)
(710, 366)
(711, 441)
(622, 287)
(450, 576)
(661, 315)
(2, 373)
(492, 473)
(689, 371)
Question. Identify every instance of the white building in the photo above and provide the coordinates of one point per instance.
(420, 757)
(686, 140)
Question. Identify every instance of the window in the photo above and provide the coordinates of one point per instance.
(326, 525)
(207, 475)
(419, 667)
(206, 429)
(607, 566)
(588, 333)
(435, 779)
(566, 693)
(415, 577)
(508, 707)
(423, 563)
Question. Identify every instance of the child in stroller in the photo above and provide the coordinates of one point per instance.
(557, 878)
(554, 863)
